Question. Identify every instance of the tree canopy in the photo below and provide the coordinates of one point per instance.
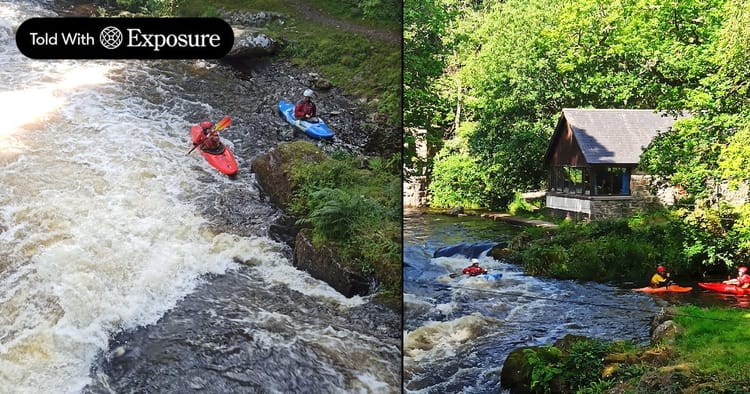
(487, 80)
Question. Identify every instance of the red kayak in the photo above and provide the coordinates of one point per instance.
(724, 288)
(667, 289)
(221, 159)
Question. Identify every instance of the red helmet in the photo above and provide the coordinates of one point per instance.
(660, 269)
(742, 270)
(206, 124)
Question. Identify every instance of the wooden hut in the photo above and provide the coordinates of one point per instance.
(592, 157)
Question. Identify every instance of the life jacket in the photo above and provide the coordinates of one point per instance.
(743, 279)
(304, 108)
(657, 280)
(209, 143)
(474, 271)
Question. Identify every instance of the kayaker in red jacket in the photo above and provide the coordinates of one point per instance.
(306, 109)
(209, 143)
(742, 280)
(474, 269)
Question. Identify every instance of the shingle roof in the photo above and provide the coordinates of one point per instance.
(609, 136)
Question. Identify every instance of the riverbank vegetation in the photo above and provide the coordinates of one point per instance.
(353, 206)
(704, 355)
(613, 250)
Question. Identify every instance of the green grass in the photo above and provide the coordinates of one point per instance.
(716, 342)
(363, 67)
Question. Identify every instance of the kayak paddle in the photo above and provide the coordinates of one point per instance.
(220, 125)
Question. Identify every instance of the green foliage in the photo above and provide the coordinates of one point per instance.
(584, 362)
(334, 212)
(150, 7)
(352, 204)
(457, 182)
(606, 250)
(425, 22)
(545, 365)
(382, 9)
(520, 206)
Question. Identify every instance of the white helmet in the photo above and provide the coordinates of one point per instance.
(474, 260)
(308, 93)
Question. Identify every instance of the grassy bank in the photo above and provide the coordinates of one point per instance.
(353, 206)
(708, 354)
(714, 347)
(368, 68)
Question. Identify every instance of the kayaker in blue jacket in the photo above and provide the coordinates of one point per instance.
(306, 109)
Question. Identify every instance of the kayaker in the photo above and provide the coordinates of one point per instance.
(742, 280)
(661, 277)
(208, 143)
(474, 269)
(306, 109)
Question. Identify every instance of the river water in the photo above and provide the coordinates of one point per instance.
(458, 331)
(126, 265)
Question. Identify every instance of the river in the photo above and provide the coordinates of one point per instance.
(126, 265)
(458, 331)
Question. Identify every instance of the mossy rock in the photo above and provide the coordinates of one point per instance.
(275, 170)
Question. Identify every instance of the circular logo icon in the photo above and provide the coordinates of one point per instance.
(110, 37)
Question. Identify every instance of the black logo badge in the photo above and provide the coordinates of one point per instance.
(124, 38)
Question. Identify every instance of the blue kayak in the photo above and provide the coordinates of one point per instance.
(317, 130)
(491, 277)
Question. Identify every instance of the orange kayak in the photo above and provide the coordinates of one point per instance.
(667, 289)
(221, 159)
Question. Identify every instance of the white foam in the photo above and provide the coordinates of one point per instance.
(435, 340)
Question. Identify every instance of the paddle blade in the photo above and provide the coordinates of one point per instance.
(455, 275)
(223, 124)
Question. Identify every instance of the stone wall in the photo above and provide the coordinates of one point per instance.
(603, 207)
(415, 192)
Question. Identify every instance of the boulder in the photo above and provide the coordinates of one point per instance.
(324, 264)
(252, 43)
(516, 373)
(251, 19)
(665, 332)
(273, 169)
(455, 211)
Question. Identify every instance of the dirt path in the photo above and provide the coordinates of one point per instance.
(309, 12)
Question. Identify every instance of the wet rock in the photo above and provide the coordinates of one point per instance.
(324, 264)
(663, 315)
(468, 250)
(251, 19)
(455, 211)
(273, 169)
(516, 373)
(252, 43)
(665, 332)
(284, 229)
(566, 343)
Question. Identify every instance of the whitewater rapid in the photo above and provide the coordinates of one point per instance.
(99, 228)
